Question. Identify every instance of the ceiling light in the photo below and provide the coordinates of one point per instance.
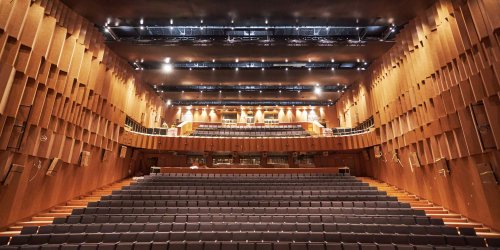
(220, 91)
(236, 60)
(286, 60)
(309, 69)
(190, 68)
(333, 68)
(357, 60)
(213, 60)
(169, 102)
(309, 59)
(333, 60)
(317, 90)
(236, 69)
(213, 69)
(167, 60)
(357, 28)
(171, 21)
(260, 91)
(201, 21)
(239, 91)
(232, 21)
(262, 69)
(280, 91)
(141, 21)
(167, 67)
(286, 69)
(262, 60)
(141, 27)
(365, 63)
(266, 21)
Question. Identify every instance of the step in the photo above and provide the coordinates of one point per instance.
(483, 229)
(10, 233)
(455, 219)
(463, 224)
(427, 208)
(15, 228)
(34, 223)
(441, 212)
(55, 214)
(76, 203)
(60, 210)
(72, 207)
(42, 218)
(488, 235)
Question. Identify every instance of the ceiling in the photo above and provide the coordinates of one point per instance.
(130, 15)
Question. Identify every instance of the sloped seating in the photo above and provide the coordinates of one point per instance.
(250, 131)
(309, 212)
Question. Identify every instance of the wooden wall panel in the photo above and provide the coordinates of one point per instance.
(436, 93)
(59, 79)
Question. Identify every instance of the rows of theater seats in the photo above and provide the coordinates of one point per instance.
(252, 131)
(247, 212)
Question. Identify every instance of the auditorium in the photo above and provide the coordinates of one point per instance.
(261, 125)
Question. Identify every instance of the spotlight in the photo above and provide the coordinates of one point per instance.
(317, 90)
(167, 68)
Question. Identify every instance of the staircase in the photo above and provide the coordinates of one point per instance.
(46, 217)
(450, 219)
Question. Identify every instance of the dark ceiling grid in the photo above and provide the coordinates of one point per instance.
(353, 32)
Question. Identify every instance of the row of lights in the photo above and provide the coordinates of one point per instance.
(168, 67)
(266, 22)
(169, 103)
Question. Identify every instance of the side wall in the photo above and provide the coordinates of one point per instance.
(435, 95)
(62, 92)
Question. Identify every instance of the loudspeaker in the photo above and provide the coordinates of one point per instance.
(84, 158)
(377, 151)
(13, 174)
(123, 152)
(295, 154)
(53, 167)
(105, 155)
(414, 161)
(235, 154)
(264, 155)
(442, 166)
(486, 173)
(325, 153)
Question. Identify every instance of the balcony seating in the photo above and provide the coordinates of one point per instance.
(246, 211)
(246, 131)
